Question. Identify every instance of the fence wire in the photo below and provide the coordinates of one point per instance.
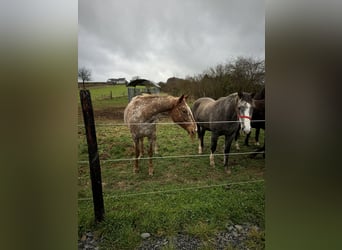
(174, 190)
(168, 157)
(162, 123)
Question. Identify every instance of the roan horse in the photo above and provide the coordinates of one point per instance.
(222, 117)
(142, 113)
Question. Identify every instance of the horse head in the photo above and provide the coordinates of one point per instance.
(245, 110)
(182, 115)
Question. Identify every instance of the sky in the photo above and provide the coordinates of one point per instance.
(159, 39)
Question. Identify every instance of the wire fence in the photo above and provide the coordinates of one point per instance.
(169, 157)
(228, 184)
(164, 123)
(81, 162)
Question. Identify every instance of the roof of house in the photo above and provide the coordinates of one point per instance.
(142, 82)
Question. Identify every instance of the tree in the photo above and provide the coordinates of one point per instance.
(247, 71)
(84, 74)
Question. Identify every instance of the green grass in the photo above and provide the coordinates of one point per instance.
(108, 96)
(185, 194)
(98, 93)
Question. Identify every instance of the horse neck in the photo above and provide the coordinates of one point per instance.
(234, 104)
(259, 104)
(230, 106)
(161, 104)
(260, 95)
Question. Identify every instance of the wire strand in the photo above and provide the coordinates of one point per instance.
(163, 123)
(171, 157)
(174, 190)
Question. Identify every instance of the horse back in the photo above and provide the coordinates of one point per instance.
(201, 109)
(211, 114)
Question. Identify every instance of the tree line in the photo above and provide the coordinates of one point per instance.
(242, 74)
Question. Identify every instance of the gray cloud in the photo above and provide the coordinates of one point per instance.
(160, 39)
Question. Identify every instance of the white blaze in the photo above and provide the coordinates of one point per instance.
(246, 122)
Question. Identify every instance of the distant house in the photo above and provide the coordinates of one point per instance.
(118, 81)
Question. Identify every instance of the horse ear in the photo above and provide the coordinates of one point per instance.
(252, 95)
(240, 94)
(181, 99)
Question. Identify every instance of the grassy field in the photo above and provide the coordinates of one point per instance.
(185, 195)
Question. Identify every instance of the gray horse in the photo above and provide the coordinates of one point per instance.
(222, 117)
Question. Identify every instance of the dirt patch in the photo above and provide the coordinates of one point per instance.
(111, 113)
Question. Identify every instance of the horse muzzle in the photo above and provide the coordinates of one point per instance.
(246, 130)
(245, 123)
(192, 132)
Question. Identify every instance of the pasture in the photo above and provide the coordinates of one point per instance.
(185, 195)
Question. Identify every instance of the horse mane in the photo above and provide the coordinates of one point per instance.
(145, 95)
(232, 95)
(153, 96)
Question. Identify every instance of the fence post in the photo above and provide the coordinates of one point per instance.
(94, 161)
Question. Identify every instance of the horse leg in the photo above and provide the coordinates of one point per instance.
(200, 132)
(257, 132)
(136, 164)
(237, 135)
(141, 144)
(150, 154)
(228, 141)
(262, 149)
(155, 146)
(214, 138)
(247, 138)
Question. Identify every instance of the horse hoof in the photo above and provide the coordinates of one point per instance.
(228, 172)
(212, 161)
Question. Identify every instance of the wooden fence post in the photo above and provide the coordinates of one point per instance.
(94, 160)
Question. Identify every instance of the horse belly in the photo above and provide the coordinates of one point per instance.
(143, 130)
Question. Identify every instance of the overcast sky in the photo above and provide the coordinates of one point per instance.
(158, 39)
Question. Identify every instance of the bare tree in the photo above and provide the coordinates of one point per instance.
(247, 71)
(84, 74)
(242, 74)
